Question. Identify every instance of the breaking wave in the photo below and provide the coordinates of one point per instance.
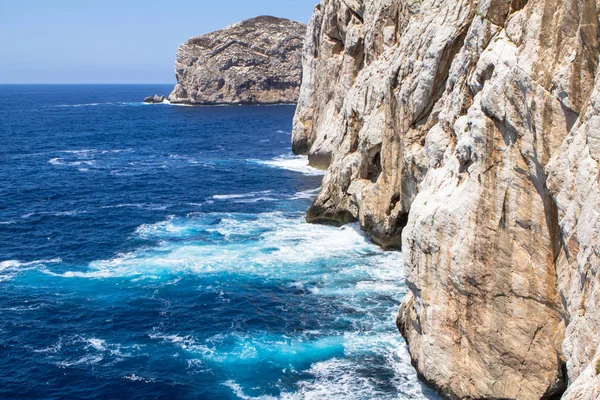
(291, 163)
(333, 268)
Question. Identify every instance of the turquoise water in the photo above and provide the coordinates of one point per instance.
(153, 251)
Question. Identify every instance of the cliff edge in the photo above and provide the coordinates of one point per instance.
(468, 134)
(257, 61)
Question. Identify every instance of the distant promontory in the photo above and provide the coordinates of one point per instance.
(256, 61)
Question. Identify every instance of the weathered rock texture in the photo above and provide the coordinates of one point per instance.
(468, 133)
(156, 99)
(257, 61)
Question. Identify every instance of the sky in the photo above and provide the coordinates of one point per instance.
(115, 41)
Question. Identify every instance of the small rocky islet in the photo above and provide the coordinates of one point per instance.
(256, 61)
(156, 99)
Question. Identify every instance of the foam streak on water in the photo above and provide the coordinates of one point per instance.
(292, 163)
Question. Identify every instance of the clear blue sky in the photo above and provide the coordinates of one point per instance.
(115, 41)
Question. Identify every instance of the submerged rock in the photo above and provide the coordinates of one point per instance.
(467, 134)
(257, 61)
(154, 99)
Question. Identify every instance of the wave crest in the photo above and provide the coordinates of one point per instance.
(291, 163)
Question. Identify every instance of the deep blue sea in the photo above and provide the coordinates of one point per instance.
(159, 251)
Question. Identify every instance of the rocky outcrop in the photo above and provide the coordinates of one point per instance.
(257, 61)
(467, 133)
(156, 99)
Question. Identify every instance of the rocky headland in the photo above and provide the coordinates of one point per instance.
(468, 134)
(257, 61)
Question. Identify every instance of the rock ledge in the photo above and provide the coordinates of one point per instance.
(156, 99)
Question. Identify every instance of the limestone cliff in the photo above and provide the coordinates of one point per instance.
(257, 61)
(468, 133)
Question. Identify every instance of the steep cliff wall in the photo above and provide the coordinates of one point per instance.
(574, 183)
(257, 61)
(467, 133)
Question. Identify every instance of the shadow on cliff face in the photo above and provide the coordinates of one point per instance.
(327, 216)
(387, 239)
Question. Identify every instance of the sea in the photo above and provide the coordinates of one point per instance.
(160, 251)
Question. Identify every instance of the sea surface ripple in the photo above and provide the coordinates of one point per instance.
(155, 251)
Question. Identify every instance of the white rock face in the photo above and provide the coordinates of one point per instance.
(468, 133)
(574, 182)
(257, 61)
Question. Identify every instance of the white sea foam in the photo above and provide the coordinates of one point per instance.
(200, 204)
(68, 213)
(365, 284)
(88, 359)
(183, 342)
(256, 200)
(171, 338)
(344, 378)
(161, 229)
(338, 370)
(23, 308)
(190, 160)
(165, 101)
(240, 196)
(97, 344)
(241, 348)
(56, 161)
(306, 194)
(183, 105)
(338, 267)
(136, 378)
(61, 161)
(291, 163)
(239, 392)
(89, 351)
(245, 348)
(84, 160)
(277, 240)
(145, 206)
(335, 378)
(81, 151)
(82, 105)
(19, 264)
(51, 349)
(91, 152)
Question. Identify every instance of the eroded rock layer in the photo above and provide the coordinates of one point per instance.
(468, 133)
(257, 61)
